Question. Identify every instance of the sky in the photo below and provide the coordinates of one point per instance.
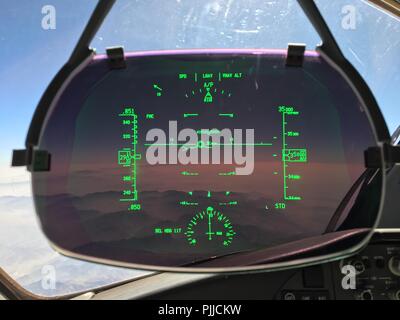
(30, 56)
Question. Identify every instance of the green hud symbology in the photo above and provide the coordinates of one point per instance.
(128, 157)
(289, 155)
(209, 85)
(211, 224)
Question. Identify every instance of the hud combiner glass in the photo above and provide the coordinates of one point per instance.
(219, 159)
